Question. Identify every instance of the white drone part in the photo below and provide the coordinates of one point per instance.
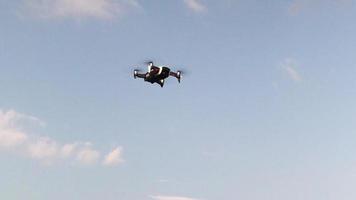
(149, 66)
(160, 70)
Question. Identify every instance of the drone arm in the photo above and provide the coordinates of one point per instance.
(173, 74)
(136, 74)
(140, 75)
(176, 74)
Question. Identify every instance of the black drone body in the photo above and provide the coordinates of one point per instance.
(157, 74)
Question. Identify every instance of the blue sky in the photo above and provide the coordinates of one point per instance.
(267, 110)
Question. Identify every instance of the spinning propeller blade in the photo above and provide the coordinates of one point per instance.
(147, 62)
(183, 72)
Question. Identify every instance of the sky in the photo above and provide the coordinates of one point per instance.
(266, 110)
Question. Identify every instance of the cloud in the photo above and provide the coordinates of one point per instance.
(43, 148)
(10, 135)
(12, 119)
(171, 198)
(68, 149)
(289, 65)
(11, 138)
(88, 156)
(163, 180)
(195, 6)
(114, 157)
(78, 9)
(15, 137)
(297, 6)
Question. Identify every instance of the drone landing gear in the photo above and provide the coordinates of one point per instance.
(161, 82)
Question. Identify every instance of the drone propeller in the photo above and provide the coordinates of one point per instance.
(147, 62)
(183, 72)
(138, 70)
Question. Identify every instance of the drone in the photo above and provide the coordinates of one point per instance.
(157, 74)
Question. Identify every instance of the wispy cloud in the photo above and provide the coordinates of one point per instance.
(297, 6)
(14, 137)
(43, 148)
(195, 6)
(78, 9)
(10, 137)
(289, 65)
(10, 133)
(88, 155)
(163, 180)
(114, 157)
(159, 197)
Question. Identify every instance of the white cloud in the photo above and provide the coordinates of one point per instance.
(12, 119)
(195, 5)
(88, 156)
(289, 65)
(67, 150)
(171, 198)
(15, 138)
(43, 148)
(10, 135)
(10, 138)
(114, 157)
(78, 9)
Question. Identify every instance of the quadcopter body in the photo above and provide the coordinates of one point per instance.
(157, 74)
